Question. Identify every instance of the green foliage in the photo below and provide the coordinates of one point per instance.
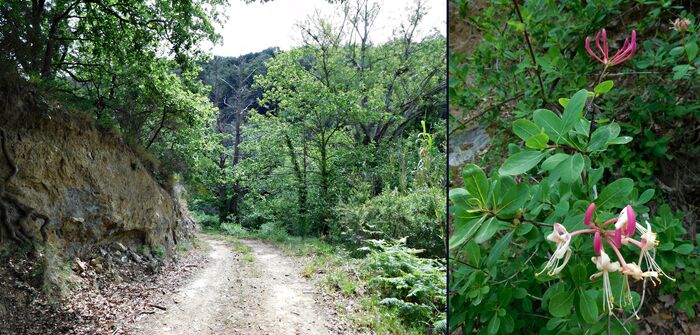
(206, 219)
(652, 95)
(340, 117)
(158, 251)
(234, 229)
(501, 220)
(413, 285)
(391, 216)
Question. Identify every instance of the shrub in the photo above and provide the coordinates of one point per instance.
(272, 231)
(415, 286)
(393, 215)
(206, 220)
(234, 229)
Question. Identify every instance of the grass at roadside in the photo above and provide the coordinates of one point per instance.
(359, 296)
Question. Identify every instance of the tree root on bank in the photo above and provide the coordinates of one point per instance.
(20, 230)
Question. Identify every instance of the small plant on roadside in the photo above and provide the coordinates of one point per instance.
(158, 251)
(412, 285)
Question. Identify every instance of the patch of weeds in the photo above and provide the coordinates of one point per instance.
(346, 285)
(184, 246)
(234, 230)
(142, 250)
(158, 251)
(249, 257)
(374, 315)
(241, 248)
(309, 270)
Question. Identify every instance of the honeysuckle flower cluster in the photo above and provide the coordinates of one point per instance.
(601, 42)
(681, 25)
(622, 233)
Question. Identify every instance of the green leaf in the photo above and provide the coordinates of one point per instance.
(614, 130)
(692, 50)
(573, 111)
(513, 200)
(464, 232)
(473, 253)
(475, 182)
(520, 163)
(578, 275)
(615, 194)
(550, 122)
(571, 168)
(560, 304)
(666, 246)
(488, 229)
(679, 71)
(676, 51)
(498, 249)
(553, 161)
(588, 306)
(524, 228)
(538, 141)
(563, 102)
(459, 196)
(525, 129)
(554, 323)
(620, 140)
(508, 324)
(599, 139)
(645, 197)
(684, 249)
(494, 324)
(603, 87)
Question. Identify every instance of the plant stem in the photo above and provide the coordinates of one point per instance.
(532, 53)
(589, 105)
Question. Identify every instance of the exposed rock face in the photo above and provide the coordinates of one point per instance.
(91, 186)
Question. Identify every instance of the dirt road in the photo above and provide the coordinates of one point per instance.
(239, 294)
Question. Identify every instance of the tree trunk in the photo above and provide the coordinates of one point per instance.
(301, 184)
(324, 228)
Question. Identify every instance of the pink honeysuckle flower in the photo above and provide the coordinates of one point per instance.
(597, 243)
(634, 271)
(562, 239)
(617, 238)
(622, 55)
(681, 25)
(625, 226)
(604, 266)
(589, 215)
(627, 221)
(647, 244)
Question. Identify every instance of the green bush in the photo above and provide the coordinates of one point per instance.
(392, 215)
(206, 220)
(272, 231)
(234, 229)
(415, 286)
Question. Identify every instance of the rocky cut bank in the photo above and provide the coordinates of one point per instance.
(68, 187)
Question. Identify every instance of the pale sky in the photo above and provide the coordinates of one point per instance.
(258, 26)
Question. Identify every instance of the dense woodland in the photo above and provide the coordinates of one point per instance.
(341, 139)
